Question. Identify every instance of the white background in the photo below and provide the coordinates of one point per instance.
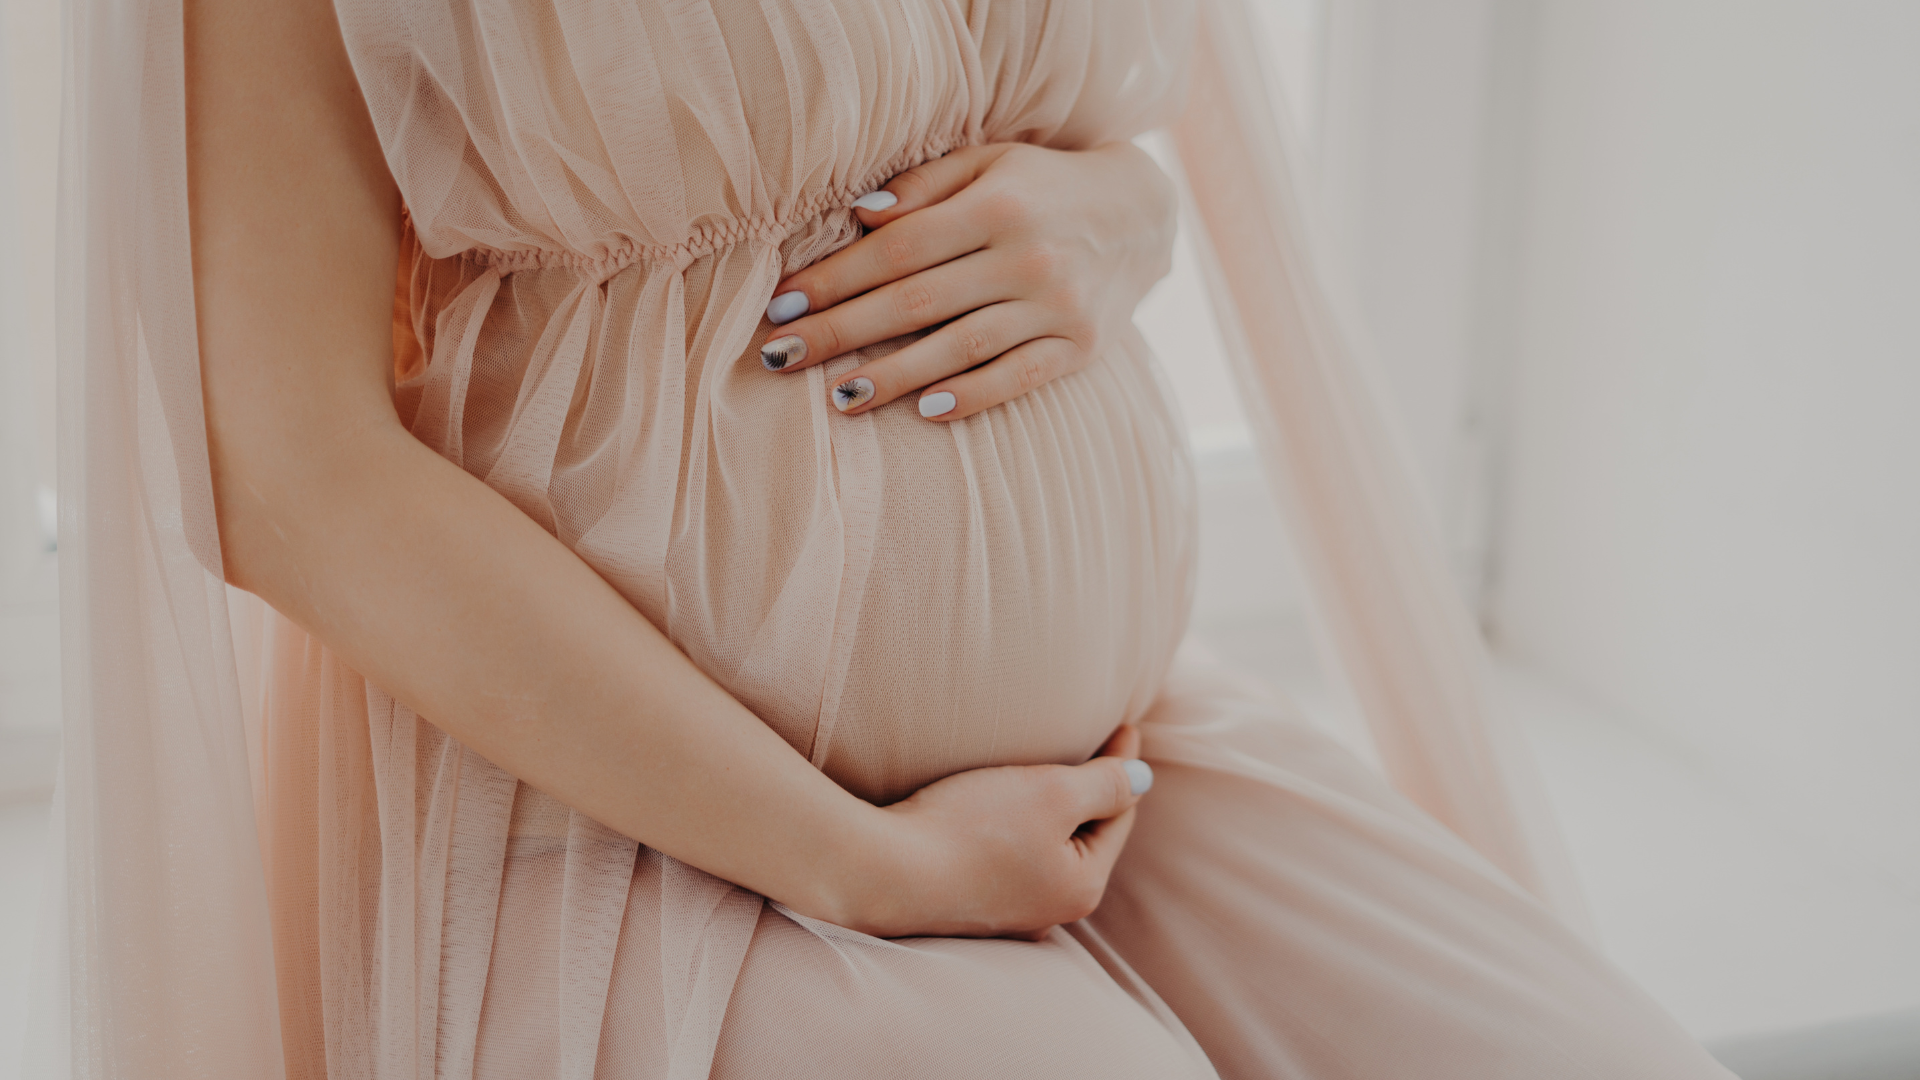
(1643, 277)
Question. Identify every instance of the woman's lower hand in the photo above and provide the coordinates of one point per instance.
(1030, 256)
(999, 852)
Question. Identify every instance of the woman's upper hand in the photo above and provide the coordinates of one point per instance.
(1030, 256)
(999, 852)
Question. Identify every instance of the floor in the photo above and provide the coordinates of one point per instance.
(23, 830)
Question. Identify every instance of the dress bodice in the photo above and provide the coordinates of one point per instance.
(613, 130)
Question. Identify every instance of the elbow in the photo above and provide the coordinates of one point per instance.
(252, 501)
(282, 487)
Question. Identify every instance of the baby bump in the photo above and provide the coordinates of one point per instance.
(903, 599)
(900, 599)
(1029, 580)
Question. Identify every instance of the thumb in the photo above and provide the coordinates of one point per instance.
(1107, 787)
(926, 184)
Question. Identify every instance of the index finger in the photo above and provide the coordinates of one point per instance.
(927, 183)
(919, 241)
(825, 283)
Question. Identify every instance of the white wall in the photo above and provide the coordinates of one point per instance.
(29, 144)
(1399, 192)
(29, 139)
(1712, 508)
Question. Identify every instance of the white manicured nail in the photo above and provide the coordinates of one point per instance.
(1139, 775)
(939, 404)
(787, 307)
(853, 393)
(875, 200)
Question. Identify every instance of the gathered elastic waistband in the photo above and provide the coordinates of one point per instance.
(716, 236)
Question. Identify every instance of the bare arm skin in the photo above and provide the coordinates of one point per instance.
(436, 588)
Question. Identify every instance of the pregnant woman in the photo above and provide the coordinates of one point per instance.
(725, 584)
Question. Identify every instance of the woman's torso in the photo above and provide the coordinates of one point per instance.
(602, 202)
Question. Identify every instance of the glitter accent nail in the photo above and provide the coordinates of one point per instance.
(777, 354)
(853, 393)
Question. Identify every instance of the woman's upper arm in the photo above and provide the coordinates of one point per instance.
(295, 224)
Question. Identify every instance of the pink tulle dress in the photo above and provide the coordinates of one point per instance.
(601, 199)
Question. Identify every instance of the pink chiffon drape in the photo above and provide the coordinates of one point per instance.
(270, 867)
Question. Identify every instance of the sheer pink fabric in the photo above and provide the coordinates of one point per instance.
(1382, 595)
(601, 198)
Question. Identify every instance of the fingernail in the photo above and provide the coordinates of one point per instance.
(1139, 775)
(939, 404)
(875, 200)
(853, 393)
(787, 307)
(780, 352)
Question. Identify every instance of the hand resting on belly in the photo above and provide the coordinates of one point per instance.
(1035, 255)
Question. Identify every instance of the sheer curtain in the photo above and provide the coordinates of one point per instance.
(158, 960)
(1380, 588)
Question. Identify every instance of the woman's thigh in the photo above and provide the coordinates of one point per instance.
(1304, 920)
(815, 1001)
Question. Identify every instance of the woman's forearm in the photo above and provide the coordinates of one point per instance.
(441, 592)
(426, 581)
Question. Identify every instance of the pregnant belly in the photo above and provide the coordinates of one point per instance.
(900, 599)
(1031, 576)
(903, 599)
